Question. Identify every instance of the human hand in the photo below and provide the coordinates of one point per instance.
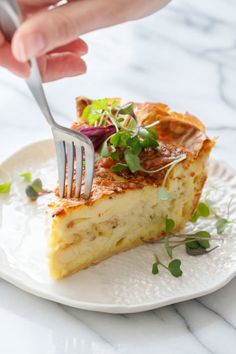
(51, 35)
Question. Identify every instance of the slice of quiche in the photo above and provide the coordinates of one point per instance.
(151, 164)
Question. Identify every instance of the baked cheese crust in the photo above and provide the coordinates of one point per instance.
(125, 209)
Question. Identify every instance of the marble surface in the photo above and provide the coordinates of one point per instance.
(184, 55)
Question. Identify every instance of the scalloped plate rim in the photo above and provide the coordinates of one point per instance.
(109, 308)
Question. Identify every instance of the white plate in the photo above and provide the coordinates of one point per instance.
(123, 283)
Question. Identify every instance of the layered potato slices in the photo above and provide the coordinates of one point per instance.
(126, 208)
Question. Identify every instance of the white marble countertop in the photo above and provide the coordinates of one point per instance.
(184, 55)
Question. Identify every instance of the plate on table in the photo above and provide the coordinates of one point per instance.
(124, 283)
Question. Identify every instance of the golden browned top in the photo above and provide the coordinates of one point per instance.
(178, 134)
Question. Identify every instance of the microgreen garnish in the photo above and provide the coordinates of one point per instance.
(169, 164)
(127, 109)
(221, 225)
(196, 244)
(5, 187)
(163, 194)
(127, 135)
(35, 190)
(155, 269)
(170, 224)
(168, 248)
(132, 160)
(119, 167)
(37, 185)
(31, 193)
(94, 112)
(173, 267)
(202, 210)
(27, 176)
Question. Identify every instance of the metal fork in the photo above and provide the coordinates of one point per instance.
(74, 150)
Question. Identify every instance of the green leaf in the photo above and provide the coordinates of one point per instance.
(104, 152)
(163, 194)
(135, 145)
(37, 185)
(93, 112)
(115, 155)
(195, 251)
(86, 112)
(195, 216)
(168, 248)
(31, 193)
(192, 244)
(27, 176)
(155, 269)
(170, 224)
(202, 210)
(153, 133)
(100, 104)
(203, 234)
(118, 167)
(174, 268)
(5, 187)
(115, 104)
(148, 138)
(132, 161)
(127, 109)
(93, 117)
(220, 225)
(120, 138)
(197, 247)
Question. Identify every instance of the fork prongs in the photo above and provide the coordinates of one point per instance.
(79, 170)
(70, 154)
(89, 171)
(61, 163)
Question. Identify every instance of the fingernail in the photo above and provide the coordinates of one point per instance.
(30, 47)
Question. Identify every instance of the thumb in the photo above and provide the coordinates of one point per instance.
(50, 29)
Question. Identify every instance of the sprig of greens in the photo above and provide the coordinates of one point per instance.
(202, 210)
(174, 267)
(5, 187)
(195, 244)
(221, 224)
(33, 190)
(170, 224)
(27, 176)
(129, 137)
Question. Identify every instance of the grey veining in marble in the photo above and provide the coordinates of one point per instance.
(184, 55)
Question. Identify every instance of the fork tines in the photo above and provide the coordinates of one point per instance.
(75, 155)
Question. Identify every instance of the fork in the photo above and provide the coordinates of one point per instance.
(75, 152)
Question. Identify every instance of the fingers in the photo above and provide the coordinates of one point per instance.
(8, 61)
(63, 61)
(31, 6)
(57, 66)
(39, 3)
(47, 30)
(78, 47)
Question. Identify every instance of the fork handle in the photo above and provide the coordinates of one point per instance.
(10, 20)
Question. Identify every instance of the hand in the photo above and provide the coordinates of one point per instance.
(52, 35)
